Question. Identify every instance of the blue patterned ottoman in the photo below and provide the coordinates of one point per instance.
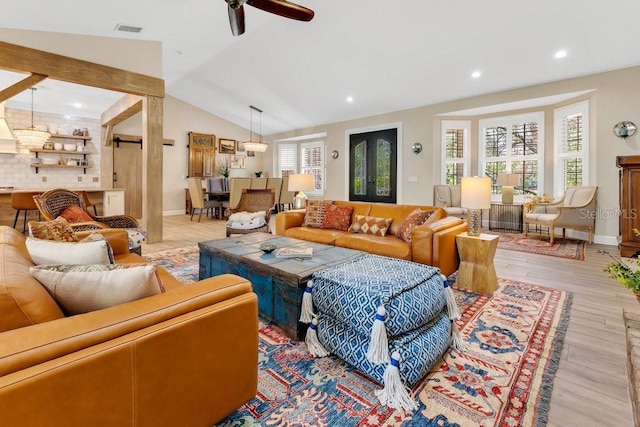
(417, 325)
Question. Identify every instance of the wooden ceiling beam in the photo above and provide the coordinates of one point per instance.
(22, 59)
(21, 86)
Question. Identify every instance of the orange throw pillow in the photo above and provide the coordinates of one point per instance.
(315, 213)
(416, 218)
(58, 229)
(371, 225)
(75, 213)
(337, 217)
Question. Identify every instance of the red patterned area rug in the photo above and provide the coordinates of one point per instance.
(536, 244)
(504, 378)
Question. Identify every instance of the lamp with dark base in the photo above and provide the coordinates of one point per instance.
(475, 196)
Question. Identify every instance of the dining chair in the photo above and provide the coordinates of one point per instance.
(194, 184)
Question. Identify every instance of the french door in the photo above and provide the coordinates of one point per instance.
(372, 166)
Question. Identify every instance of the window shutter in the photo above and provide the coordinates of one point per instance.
(287, 159)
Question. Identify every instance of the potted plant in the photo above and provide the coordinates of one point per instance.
(223, 166)
(624, 272)
(258, 174)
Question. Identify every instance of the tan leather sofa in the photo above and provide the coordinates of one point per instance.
(433, 243)
(186, 357)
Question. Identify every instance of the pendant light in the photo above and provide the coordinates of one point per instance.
(31, 137)
(252, 145)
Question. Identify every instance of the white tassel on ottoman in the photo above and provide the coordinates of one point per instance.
(372, 306)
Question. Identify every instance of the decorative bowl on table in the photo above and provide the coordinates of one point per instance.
(267, 247)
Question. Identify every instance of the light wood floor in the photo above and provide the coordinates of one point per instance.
(591, 385)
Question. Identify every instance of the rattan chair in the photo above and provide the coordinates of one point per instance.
(53, 202)
(254, 201)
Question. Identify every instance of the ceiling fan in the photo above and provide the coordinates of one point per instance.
(278, 7)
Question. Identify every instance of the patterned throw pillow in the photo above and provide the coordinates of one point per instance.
(58, 229)
(75, 213)
(83, 288)
(371, 225)
(416, 218)
(315, 213)
(337, 217)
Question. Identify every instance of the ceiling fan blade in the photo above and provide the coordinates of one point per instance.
(283, 8)
(236, 20)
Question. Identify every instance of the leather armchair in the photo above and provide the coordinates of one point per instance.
(576, 210)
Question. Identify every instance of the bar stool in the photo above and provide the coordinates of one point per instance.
(87, 202)
(23, 201)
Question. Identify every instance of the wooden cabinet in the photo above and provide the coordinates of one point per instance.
(629, 204)
(202, 155)
(78, 158)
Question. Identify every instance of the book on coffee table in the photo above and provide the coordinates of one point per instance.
(294, 252)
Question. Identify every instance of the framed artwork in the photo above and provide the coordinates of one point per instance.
(251, 153)
(239, 147)
(227, 146)
(237, 162)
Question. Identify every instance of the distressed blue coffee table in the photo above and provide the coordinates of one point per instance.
(278, 282)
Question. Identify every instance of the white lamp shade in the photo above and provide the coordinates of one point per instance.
(476, 193)
(301, 182)
(258, 146)
(510, 179)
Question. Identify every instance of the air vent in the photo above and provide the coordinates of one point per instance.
(128, 28)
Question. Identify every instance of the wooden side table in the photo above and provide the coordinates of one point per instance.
(477, 272)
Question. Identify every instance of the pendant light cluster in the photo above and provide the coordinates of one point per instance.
(252, 145)
(30, 137)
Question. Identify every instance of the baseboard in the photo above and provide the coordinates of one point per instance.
(172, 213)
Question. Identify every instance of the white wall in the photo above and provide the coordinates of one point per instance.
(179, 119)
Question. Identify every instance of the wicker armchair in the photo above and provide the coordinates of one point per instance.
(254, 201)
(53, 202)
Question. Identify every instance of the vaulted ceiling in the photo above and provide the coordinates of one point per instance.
(387, 55)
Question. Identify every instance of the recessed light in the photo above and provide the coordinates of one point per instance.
(349, 98)
(476, 74)
(560, 54)
(77, 105)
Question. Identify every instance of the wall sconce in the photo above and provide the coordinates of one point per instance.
(624, 129)
(416, 148)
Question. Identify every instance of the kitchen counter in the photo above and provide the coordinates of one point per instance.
(110, 202)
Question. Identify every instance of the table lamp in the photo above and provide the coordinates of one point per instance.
(301, 182)
(508, 180)
(476, 195)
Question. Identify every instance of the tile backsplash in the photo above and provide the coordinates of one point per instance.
(18, 173)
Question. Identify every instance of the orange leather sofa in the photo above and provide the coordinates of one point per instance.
(433, 243)
(186, 357)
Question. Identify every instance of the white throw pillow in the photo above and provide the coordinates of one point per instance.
(56, 252)
(247, 220)
(83, 288)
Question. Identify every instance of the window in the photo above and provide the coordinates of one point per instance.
(455, 152)
(312, 161)
(287, 155)
(306, 157)
(571, 131)
(513, 144)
